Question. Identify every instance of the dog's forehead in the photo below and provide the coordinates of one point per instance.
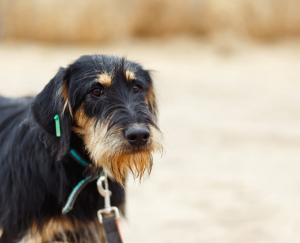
(104, 69)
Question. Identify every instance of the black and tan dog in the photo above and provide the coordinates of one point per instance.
(107, 114)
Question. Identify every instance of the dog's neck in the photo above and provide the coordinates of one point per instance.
(79, 155)
(78, 145)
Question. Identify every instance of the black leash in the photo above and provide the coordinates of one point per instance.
(112, 231)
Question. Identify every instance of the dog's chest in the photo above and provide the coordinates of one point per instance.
(63, 229)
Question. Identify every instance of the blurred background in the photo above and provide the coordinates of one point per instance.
(227, 75)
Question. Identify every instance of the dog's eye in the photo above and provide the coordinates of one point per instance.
(136, 88)
(97, 92)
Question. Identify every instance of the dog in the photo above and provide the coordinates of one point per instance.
(108, 114)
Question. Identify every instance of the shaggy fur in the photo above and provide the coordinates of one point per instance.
(105, 103)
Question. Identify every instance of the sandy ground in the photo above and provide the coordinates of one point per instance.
(230, 113)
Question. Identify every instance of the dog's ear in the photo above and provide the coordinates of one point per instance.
(51, 101)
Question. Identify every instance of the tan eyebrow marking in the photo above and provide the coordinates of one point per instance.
(129, 75)
(104, 79)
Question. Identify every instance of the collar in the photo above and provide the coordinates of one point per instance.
(76, 157)
(80, 186)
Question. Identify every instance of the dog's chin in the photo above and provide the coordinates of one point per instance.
(138, 161)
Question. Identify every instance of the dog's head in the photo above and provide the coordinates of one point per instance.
(109, 103)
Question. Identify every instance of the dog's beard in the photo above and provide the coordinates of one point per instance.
(109, 149)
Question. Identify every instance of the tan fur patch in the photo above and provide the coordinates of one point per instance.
(65, 97)
(82, 122)
(150, 100)
(64, 228)
(104, 79)
(130, 76)
(64, 92)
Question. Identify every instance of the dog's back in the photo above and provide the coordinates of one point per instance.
(12, 113)
(11, 109)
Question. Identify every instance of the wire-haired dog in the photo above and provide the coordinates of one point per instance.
(107, 114)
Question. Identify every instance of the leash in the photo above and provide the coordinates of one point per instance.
(109, 215)
(110, 222)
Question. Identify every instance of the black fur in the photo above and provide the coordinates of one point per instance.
(37, 174)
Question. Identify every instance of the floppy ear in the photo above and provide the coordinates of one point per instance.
(51, 101)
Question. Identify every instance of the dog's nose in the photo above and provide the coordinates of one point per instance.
(137, 136)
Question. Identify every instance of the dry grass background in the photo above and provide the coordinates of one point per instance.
(102, 20)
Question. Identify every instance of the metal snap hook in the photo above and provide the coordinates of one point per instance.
(106, 193)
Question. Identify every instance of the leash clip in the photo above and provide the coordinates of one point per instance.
(106, 193)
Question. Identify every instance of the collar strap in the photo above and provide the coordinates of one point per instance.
(79, 187)
(75, 192)
(78, 158)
